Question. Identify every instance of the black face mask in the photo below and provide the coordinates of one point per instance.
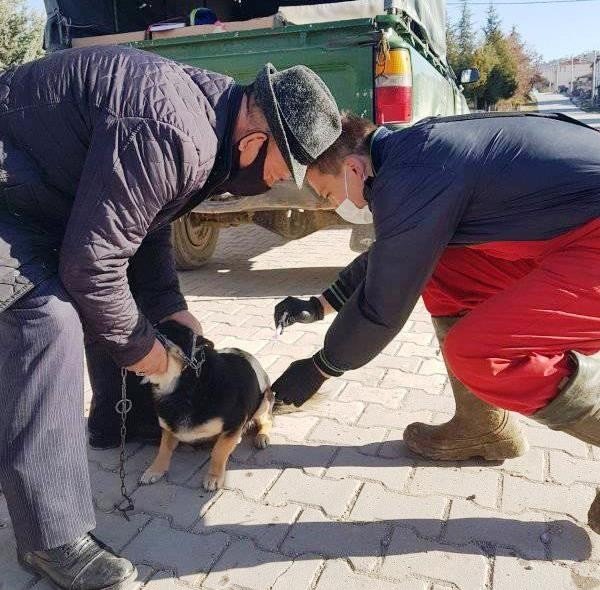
(245, 182)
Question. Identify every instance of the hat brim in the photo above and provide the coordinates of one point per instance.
(268, 103)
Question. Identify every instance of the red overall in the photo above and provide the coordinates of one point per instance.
(526, 304)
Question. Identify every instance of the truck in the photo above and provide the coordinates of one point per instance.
(382, 59)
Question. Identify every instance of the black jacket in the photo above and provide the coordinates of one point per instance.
(100, 148)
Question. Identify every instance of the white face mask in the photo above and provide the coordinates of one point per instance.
(350, 212)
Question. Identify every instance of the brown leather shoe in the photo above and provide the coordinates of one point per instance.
(83, 564)
(476, 430)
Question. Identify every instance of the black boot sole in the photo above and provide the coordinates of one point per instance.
(123, 585)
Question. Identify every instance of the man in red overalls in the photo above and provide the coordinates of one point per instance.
(495, 221)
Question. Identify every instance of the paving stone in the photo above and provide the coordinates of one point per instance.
(411, 349)
(408, 554)
(188, 555)
(267, 525)
(481, 485)
(511, 573)
(106, 487)
(552, 439)
(163, 580)
(181, 504)
(530, 465)
(250, 481)
(519, 494)
(115, 531)
(376, 415)
(12, 575)
(349, 463)
(370, 376)
(390, 398)
(344, 435)
(311, 456)
(244, 565)
(409, 364)
(294, 426)
(469, 523)
(338, 574)
(358, 542)
(567, 470)
(432, 384)
(346, 412)
(433, 366)
(420, 338)
(376, 503)
(418, 400)
(296, 486)
(301, 574)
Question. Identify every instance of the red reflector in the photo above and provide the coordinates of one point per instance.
(393, 104)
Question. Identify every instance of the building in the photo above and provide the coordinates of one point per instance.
(564, 72)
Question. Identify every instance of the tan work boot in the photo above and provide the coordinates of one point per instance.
(476, 430)
(576, 411)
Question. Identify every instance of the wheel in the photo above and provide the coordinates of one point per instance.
(193, 243)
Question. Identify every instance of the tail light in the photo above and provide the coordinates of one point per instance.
(393, 88)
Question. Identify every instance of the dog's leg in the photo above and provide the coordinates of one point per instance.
(226, 443)
(263, 418)
(160, 465)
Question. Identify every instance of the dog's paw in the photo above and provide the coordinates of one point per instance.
(213, 482)
(150, 476)
(261, 441)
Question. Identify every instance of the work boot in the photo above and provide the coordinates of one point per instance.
(576, 411)
(84, 564)
(476, 429)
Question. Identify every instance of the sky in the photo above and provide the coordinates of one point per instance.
(552, 30)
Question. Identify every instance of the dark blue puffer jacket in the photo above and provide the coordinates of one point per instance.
(456, 181)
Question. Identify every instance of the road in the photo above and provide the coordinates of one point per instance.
(557, 102)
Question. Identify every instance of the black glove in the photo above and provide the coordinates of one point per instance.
(299, 382)
(292, 310)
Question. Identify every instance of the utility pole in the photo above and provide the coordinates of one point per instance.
(572, 74)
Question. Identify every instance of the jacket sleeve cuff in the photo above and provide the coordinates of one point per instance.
(325, 366)
(336, 295)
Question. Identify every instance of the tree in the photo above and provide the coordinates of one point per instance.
(465, 35)
(461, 40)
(493, 28)
(21, 33)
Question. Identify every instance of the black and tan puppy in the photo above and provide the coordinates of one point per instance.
(228, 392)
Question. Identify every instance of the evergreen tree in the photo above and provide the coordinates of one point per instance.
(465, 33)
(492, 29)
(20, 33)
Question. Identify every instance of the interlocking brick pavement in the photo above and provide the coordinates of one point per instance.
(337, 501)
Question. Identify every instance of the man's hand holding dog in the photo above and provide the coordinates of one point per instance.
(155, 362)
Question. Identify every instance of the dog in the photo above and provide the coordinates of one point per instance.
(207, 393)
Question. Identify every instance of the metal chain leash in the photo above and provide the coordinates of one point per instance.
(122, 407)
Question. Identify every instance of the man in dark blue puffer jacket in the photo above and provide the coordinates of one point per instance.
(495, 221)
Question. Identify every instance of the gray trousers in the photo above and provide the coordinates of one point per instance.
(43, 458)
